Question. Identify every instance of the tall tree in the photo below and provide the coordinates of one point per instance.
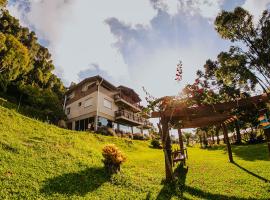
(33, 79)
(14, 59)
(238, 27)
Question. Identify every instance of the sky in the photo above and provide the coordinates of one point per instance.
(133, 43)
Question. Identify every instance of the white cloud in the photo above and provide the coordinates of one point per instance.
(77, 33)
(256, 7)
(156, 34)
(206, 8)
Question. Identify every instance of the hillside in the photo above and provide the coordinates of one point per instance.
(41, 161)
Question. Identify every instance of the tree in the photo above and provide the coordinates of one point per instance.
(187, 136)
(32, 75)
(237, 26)
(14, 59)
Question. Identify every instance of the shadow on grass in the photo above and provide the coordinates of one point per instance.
(178, 188)
(175, 188)
(248, 152)
(251, 152)
(79, 183)
(251, 173)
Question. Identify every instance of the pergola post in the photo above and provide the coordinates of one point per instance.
(227, 140)
(166, 143)
(267, 135)
(181, 143)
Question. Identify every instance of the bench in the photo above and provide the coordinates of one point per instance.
(177, 156)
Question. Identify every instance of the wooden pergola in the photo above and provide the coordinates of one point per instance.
(180, 116)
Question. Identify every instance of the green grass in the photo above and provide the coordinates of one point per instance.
(40, 161)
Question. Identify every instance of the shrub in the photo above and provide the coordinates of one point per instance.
(156, 144)
(113, 158)
(138, 136)
(104, 130)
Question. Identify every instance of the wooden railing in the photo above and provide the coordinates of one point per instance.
(133, 116)
(127, 99)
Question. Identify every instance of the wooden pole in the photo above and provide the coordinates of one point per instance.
(226, 137)
(166, 143)
(267, 134)
(181, 143)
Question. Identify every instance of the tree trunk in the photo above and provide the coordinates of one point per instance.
(166, 142)
(267, 134)
(217, 135)
(200, 138)
(205, 141)
(226, 137)
(181, 144)
(238, 134)
(213, 138)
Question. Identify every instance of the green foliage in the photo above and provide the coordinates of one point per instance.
(14, 59)
(26, 69)
(44, 100)
(234, 25)
(250, 63)
(155, 143)
(138, 136)
(187, 136)
(104, 130)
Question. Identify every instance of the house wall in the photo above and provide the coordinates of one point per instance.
(81, 112)
(104, 111)
(77, 111)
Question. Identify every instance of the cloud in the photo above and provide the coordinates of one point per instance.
(93, 70)
(152, 51)
(256, 7)
(76, 34)
(206, 8)
(137, 43)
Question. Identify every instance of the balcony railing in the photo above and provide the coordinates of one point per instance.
(133, 117)
(127, 100)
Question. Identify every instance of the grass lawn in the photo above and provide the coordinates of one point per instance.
(40, 161)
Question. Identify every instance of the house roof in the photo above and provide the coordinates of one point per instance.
(93, 78)
(126, 90)
(129, 92)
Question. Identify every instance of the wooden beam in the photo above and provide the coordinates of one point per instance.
(182, 110)
(227, 140)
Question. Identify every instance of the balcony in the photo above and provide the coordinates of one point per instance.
(126, 102)
(130, 118)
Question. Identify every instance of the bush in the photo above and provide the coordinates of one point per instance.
(156, 144)
(113, 158)
(104, 130)
(138, 136)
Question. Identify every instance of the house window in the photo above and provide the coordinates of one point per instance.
(88, 102)
(107, 104)
(68, 111)
(79, 104)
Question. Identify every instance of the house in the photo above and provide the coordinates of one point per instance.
(95, 102)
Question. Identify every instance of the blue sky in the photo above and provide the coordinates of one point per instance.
(135, 43)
